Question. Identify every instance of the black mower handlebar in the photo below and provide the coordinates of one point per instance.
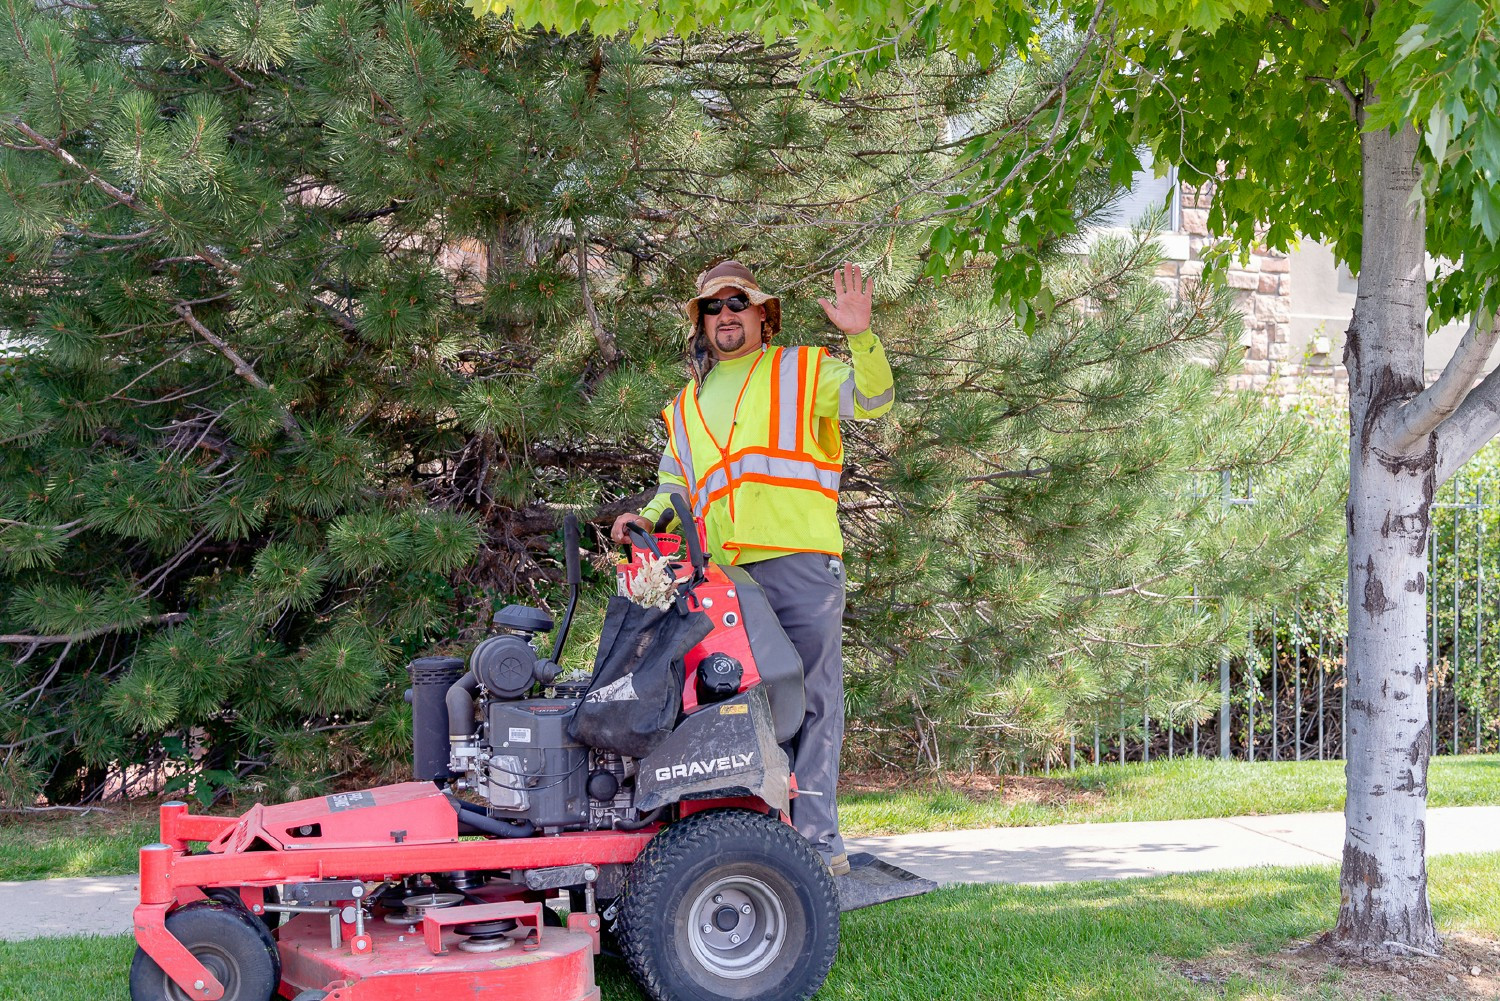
(643, 539)
(575, 583)
(689, 532)
(570, 549)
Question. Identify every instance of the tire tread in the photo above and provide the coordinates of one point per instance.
(698, 835)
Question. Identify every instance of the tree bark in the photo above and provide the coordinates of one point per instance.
(1383, 885)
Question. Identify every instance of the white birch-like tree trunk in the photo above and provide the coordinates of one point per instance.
(1404, 441)
(1383, 887)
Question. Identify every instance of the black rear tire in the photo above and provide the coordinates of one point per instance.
(729, 904)
(228, 940)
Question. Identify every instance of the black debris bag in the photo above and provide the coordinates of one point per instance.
(635, 696)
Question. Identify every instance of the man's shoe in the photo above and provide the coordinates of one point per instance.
(838, 865)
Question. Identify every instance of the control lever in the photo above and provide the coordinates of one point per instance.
(575, 585)
(643, 539)
(690, 532)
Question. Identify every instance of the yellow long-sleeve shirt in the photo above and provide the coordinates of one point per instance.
(859, 389)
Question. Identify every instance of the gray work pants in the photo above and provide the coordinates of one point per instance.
(806, 591)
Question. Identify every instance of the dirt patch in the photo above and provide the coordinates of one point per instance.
(1469, 968)
(976, 786)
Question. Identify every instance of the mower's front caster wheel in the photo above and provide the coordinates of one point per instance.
(230, 896)
(229, 941)
(729, 904)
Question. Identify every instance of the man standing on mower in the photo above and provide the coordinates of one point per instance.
(753, 443)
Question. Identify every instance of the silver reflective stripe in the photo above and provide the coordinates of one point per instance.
(784, 469)
(673, 488)
(873, 402)
(846, 398)
(717, 479)
(685, 453)
(669, 465)
(790, 414)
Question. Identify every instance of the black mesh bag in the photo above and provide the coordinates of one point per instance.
(635, 695)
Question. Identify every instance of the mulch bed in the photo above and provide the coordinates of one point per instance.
(1469, 968)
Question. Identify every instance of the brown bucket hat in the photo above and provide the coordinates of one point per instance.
(733, 274)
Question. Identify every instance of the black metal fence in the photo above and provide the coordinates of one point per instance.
(1284, 698)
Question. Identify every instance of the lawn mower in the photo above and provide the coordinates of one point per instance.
(650, 804)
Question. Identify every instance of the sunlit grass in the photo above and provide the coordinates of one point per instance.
(95, 845)
(1112, 941)
(1181, 789)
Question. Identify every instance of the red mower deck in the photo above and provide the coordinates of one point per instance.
(539, 963)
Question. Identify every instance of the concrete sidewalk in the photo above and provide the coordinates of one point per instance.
(1059, 854)
(1072, 853)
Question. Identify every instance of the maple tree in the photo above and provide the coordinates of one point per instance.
(1371, 126)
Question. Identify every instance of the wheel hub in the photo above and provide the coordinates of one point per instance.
(738, 927)
(220, 965)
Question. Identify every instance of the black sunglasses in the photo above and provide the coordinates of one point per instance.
(736, 303)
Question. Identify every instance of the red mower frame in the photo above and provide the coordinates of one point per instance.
(383, 833)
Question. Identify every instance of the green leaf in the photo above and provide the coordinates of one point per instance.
(1411, 40)
(1437, 135)
(609, 21)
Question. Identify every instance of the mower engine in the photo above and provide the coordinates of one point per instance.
(520, 760)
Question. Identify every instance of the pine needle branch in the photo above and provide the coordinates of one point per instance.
(30, 639)
(607, 347)
(219, 65)
(123, 197)
(242, 368)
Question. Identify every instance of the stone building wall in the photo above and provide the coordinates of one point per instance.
(1276, 361)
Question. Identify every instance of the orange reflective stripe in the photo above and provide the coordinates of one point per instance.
(780, 549)
(775, 481)
(799, 484)
(781, 453)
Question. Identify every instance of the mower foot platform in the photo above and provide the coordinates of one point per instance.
(401, 965)
(871, 881)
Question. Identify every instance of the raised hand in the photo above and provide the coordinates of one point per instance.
(852, 296)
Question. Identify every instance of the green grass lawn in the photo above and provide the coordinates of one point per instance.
(106, 844)
(54, 845)
(1146, 939)
(1181, 789)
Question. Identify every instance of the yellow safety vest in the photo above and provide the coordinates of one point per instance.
(778, 474)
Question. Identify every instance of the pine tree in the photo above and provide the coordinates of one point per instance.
(1045, 544)
(320, 315)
